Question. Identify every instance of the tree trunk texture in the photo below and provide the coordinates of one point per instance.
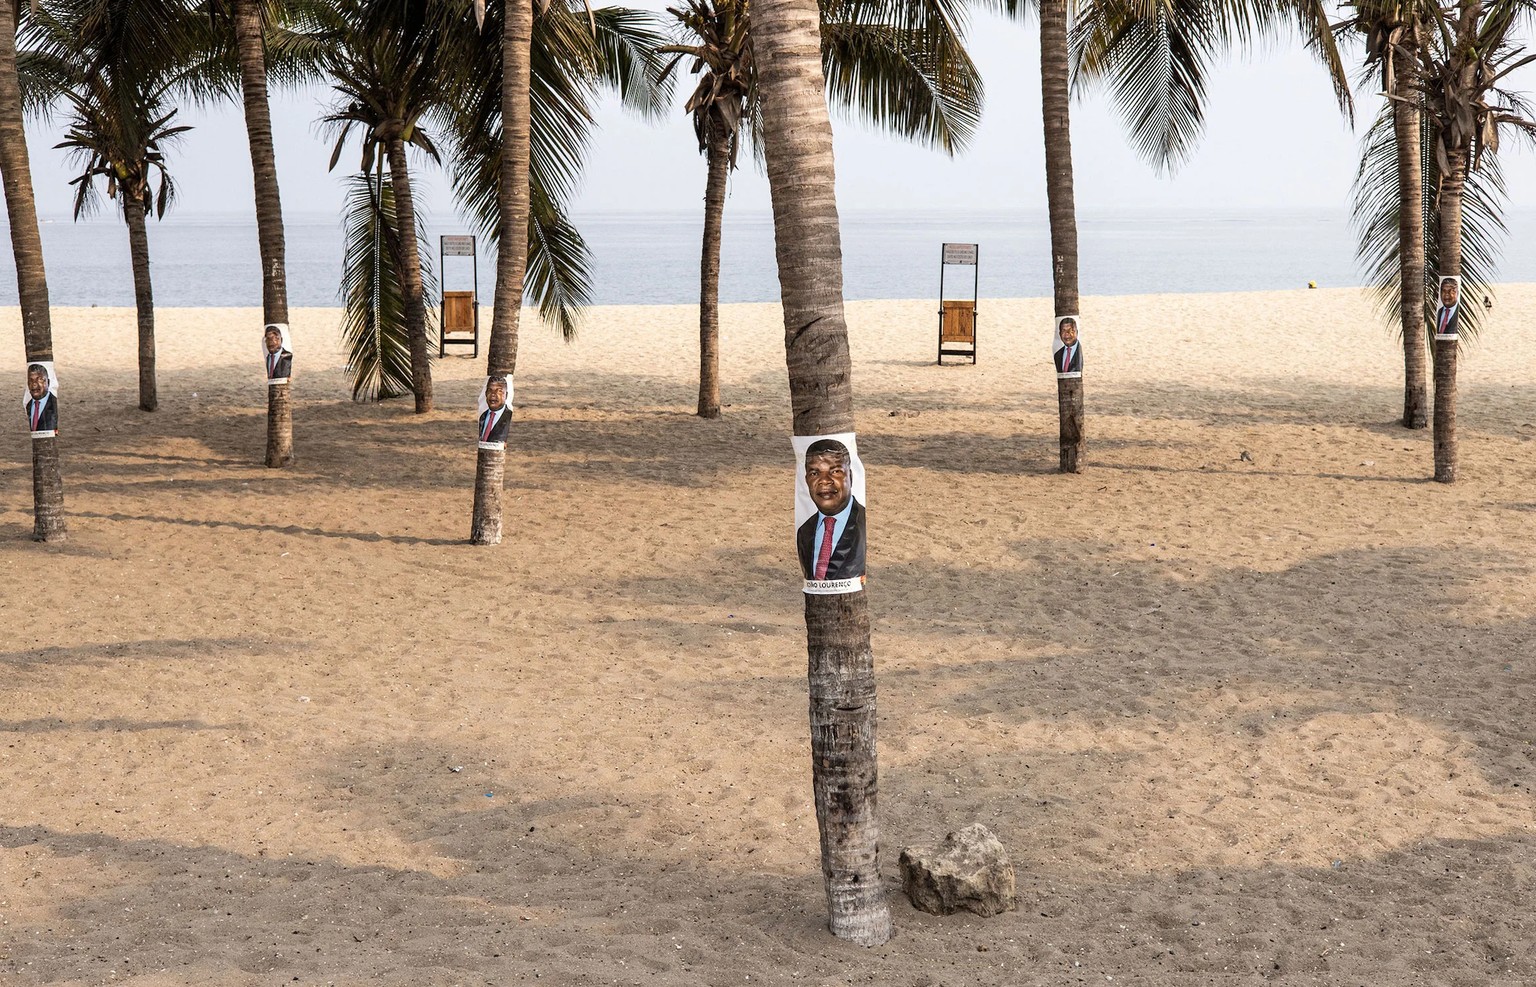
(718, 154)
(511, 251)
(31, 279)
(1069, 410)
(144, 302)
(410, 276)
(1054, 101)
(269, 215)
(1451, 192)
(807, 241)
(1407, 124)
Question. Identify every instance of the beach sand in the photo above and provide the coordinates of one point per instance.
(1235, 720)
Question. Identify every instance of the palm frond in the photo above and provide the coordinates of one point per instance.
(1155, 60)
(629, 60)
(373, 301)
(895, 80)
(558, 272)
(1157, 57)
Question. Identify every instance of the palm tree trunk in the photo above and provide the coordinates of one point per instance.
(1054, 101)
(31, 280)
(511, 250)
(410, 276)
(1408, 124)
(798, 147)
(1452, 188)
(269, 213)
(718, 154)
(144, 301)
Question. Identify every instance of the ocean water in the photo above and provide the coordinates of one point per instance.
(654, 258)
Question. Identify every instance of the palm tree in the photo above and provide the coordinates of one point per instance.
(1155, 59)
(901, 65)
(511, 262)
(1392, 30)
(387, 65)
(247, 17)
(113, 65)
(798, 147)
(1061, 203)
(563, 59)
(1381, 198)
(128, 152)
(1459, 76)
(723, 61)
(31, 279)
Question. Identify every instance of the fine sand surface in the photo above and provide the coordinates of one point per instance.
(1235, 720)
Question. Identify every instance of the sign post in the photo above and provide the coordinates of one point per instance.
(459, 311)
(957, 317)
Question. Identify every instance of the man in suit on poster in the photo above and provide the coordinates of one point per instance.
(494, 420)
(831, 542)
(279, 360)
(1069, 359)
(42, 408)
(1448, 318)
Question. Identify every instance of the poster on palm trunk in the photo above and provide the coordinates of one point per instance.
(495, 412)
(41, 400)
(1448, 314)
(276, 353)
(829, 513)
(1067, 349)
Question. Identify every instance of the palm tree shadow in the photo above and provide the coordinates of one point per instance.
(113, 725)
(280, 529)
(162, 648)
(1254, 471)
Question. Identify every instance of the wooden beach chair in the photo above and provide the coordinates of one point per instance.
(957, 328)
(460, 315)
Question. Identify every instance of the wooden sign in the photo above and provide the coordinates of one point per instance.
(960, 253)
(458, 246)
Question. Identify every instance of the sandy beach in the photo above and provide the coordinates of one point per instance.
(1236, 719)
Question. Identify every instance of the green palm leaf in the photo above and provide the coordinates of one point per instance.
(895, 80)
(374, 328)
(558, 274)
(903, 67)
(1156, 57)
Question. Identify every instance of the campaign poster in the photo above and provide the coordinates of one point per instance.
(276, 353)
(1067, 348)
(1448, 313)
(41, 400)
(495, 406)
(829, 513)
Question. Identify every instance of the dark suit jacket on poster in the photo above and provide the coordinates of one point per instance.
(1452, 328)
(499, 430)
(284, 366)
(847, 555)
(49, 421)
(1077, 360)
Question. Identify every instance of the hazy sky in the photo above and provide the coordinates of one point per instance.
(1275, 139)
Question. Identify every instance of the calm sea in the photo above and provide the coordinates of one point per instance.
(654, 259)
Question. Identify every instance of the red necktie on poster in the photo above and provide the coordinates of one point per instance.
(1445, 318)
(490, 423)
(824, 557)
(37, 412)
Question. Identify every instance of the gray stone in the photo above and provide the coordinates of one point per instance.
(970, 870)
